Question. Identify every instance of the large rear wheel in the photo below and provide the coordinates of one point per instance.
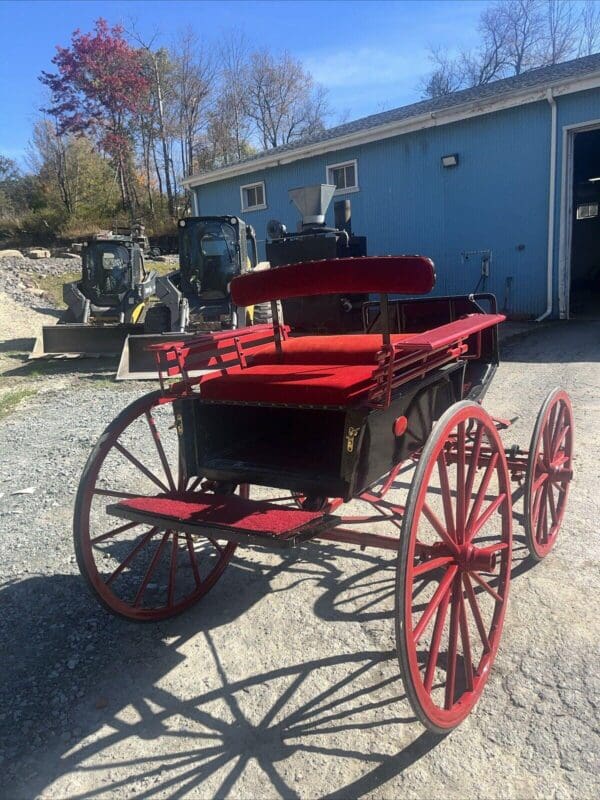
(453, 568)
(134, 569)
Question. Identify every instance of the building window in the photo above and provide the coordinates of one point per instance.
(253, 196)
(344, 176)
(587, 211)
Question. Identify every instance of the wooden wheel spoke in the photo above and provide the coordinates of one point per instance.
(487, 514)
(215, 544)
(466, 642)
(475, 611)
(485, 585)
(473, 465)
(129, 558)
(446, 495)
(434, 602)
(150, 571)
(542, 523)
(452, 649)
(438, 527)
(559, 441)
(192, 553)
(114, 493)
(556, 429)
(460, 484)
(143, 469)
(436, 639)
(432, 564)
(114, 532)
(160, 449)
(539, 481)
(552, 505)
(483, 487)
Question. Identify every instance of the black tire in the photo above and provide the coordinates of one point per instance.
(263, 314)
(157, 319)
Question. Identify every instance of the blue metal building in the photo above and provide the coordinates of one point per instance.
(497, 179)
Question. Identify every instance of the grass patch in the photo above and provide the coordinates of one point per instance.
(161, 267)
(10, 400)
(52, 285)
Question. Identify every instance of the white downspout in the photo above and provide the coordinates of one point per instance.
(195, 211)
(551, 204)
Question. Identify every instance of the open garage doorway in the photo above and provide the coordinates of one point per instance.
(585, 226)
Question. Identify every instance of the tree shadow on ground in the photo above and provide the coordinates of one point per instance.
(45, 620)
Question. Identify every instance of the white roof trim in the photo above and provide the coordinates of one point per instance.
(429, 120)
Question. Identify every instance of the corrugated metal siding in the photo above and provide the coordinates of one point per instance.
(496, 199)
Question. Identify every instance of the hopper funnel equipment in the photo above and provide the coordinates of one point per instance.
(312, 202)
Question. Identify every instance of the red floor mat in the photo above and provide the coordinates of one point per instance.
(227, 512)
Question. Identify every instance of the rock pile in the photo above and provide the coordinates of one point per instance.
(19, 275)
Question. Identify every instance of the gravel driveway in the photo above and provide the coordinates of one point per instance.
(284, 683)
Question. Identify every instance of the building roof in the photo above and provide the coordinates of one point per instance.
(478, 99)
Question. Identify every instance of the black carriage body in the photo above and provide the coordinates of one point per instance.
(329, 451)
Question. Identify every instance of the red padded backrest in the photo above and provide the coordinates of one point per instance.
(383, 274)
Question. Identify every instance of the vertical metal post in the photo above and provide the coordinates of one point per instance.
(384, 312)
(276, 325)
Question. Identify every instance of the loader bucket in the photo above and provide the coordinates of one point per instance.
(137, 363)
(82, 340)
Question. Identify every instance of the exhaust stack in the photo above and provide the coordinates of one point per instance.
(312, 202)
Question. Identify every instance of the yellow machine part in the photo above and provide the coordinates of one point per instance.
(136, 313)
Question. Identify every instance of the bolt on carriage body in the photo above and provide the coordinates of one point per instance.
(187, 473)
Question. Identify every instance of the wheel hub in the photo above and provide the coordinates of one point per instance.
(467, 557)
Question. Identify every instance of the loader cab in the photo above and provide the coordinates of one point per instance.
(111, 269)
(213, 251)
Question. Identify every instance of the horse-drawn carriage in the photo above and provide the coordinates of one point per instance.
(258, 438)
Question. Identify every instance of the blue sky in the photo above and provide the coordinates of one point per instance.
(370, 55)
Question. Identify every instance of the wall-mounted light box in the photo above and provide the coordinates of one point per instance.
(450, 160)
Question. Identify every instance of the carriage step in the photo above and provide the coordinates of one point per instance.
(226, 516)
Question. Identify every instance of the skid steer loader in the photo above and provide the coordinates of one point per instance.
(196, 298)
(107, 304)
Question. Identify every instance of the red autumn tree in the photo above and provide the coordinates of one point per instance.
(99, 85)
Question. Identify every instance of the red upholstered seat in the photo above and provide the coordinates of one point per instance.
(349, 349)
(302, 384)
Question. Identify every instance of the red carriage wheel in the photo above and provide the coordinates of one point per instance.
(549, 473)
(137, 571)
(453, 568)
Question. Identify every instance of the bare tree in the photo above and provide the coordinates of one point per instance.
(160, 71)
(283, 100)
(517, 35)
(522, 26)
(590, 28)
(561, 31)
(194, 80)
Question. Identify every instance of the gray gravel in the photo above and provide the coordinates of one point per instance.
(285, 681)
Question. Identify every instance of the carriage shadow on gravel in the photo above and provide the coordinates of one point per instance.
(313, 704)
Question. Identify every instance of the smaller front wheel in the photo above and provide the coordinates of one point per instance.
(549, 473)
(453, 568)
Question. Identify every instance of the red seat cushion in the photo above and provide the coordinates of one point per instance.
(301, 384)
(348, 349)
